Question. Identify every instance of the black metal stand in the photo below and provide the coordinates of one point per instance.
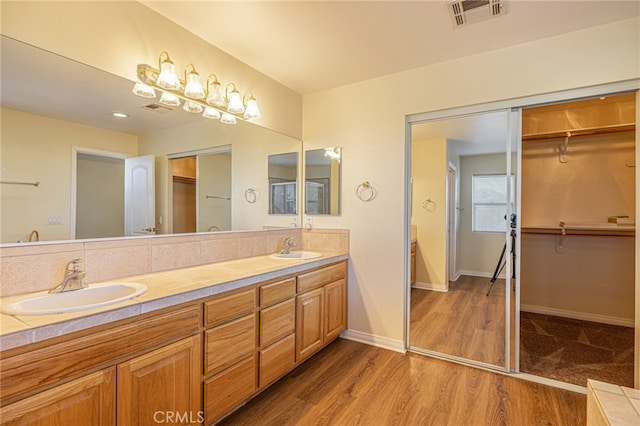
(502, 261)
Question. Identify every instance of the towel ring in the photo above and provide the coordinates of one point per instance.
(251, 195)
(429, 205)
(365, 191)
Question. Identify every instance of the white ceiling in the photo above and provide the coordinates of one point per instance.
(315, 45)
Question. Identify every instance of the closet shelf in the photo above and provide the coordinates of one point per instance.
(627, 127)
(605, 229)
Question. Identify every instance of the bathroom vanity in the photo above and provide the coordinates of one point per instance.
(193, 353)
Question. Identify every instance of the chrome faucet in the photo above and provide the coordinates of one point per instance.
(73, 278)
(286, 245)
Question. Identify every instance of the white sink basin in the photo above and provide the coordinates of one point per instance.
(94, 296)
(297, 255)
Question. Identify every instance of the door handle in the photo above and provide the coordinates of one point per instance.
(150, 229)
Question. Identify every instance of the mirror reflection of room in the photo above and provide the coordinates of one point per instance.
(283, 183)
(459, 200)
(578, 239)
(322, 181)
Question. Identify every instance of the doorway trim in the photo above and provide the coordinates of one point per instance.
(452, 222)
(514, 104)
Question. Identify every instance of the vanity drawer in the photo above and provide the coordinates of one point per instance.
(277, 359)
(229, 388)
(277, 292)
(277, 321)
(321, 277)
(228, 343)
(229, 307)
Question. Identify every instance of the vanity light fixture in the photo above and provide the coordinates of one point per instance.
(212, 100)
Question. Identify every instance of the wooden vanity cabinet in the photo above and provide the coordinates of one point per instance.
(156, 359)
(321, 308)
(229, 352)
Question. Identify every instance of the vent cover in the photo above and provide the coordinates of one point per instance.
(465, 12)
(158, 109)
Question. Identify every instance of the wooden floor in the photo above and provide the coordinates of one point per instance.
(462, 322)
(350, 383)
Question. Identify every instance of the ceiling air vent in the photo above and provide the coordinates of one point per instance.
(465, 12)
(158, 109)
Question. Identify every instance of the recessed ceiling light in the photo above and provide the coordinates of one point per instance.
(120, 114)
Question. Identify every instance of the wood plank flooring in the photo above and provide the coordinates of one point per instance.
(463, 322)
(350, 383)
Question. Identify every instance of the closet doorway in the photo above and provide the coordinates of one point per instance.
(578, 240)
(462, 193)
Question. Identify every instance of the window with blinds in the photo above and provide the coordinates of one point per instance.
(489, 202)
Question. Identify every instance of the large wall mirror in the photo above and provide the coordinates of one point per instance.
(57, 127)
(322, 174)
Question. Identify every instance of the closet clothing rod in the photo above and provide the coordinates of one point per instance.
(556, 230)
(7, 182)
(579, 132)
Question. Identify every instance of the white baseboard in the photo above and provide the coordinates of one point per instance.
(481, 274)
(429, 286)
(584, 316)
(373, 340)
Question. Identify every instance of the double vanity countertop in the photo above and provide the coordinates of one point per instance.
(164, 289)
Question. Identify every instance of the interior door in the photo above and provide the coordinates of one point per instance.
(139, 196)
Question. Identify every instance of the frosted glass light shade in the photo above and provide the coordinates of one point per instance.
(193, 88)
(168, 79)
(169, 99)
(144, 91)
(252, 112)
(211, 113)
(228, 118)
(235, 103)
(216, 95)
(190, 106)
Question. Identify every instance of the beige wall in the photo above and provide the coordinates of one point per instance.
(373, 140)
(39, 148)
(429, 174)
(116, 36)
(99, 197)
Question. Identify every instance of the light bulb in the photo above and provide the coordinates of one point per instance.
(235, 103)
(252, 112)
(228, 118)
(169, 99)
(211, 113)
(144, 91)
(168, 79)
(216, 95)
(191, 106)
(193, 89)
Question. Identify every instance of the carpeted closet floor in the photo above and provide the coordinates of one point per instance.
(573, 351)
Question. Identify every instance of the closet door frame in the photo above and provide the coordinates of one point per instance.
(515, 106)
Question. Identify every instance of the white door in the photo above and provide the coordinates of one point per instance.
(452, 222)
(139, 196)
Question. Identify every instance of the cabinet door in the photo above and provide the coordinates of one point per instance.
(161, 385)
(335, 311)
(309, 323)
(89, 400)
